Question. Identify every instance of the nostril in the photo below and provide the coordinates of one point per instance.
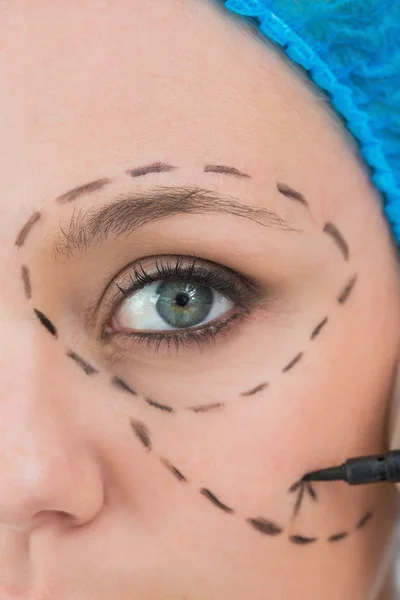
(46, 517)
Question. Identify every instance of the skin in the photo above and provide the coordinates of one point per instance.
(86, 510)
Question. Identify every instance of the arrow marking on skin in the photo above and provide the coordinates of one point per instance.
(302, 487)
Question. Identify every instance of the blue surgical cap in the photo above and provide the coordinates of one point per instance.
(350, 49)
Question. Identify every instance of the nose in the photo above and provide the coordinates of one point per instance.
(49, 469)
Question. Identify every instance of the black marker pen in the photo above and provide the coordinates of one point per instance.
(362, 469)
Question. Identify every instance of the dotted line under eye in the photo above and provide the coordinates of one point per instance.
(342, 297)
(45, 321)
(264, 526)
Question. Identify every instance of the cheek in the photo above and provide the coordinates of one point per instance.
(328, 406)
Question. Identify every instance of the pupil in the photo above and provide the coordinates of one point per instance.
(181, 299)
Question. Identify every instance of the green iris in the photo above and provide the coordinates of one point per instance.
(183, 304)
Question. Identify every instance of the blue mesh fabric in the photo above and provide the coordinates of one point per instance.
(351, 49)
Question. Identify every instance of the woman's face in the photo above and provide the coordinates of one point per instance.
(181, 343)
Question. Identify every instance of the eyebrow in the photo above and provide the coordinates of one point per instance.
(131, 211)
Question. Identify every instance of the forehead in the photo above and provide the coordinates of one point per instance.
(93, 88)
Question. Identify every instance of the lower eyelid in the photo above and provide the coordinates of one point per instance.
(219, 321)
(126, 343)
(174, 332)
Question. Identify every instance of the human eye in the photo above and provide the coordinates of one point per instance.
(178, 301)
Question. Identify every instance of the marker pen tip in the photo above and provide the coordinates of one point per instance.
(331, 474)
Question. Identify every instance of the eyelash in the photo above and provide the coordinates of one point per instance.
(243, 292)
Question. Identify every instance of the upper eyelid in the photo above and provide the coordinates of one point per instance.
(248, 289)
(202, 267)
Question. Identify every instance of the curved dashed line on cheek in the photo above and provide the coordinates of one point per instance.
(318, 328)
(159, 406)
(364, 520)
(45, 321)
(142, 433)
(345, 294)
(176, 472)
(216, 501)
(302, 540)
(258, 388)
(207, 407)
(121, 384)
(83, 364)
(338, 536)
(265, 526)
(262, 525)
(293, 362)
